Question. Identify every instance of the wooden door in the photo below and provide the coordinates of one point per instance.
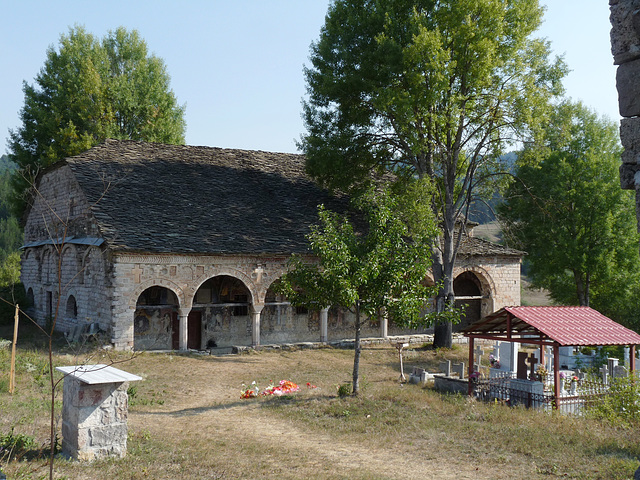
(194, 329)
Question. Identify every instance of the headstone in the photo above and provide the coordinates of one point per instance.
(612, 363)
(509, 356)
(604, 374)
(548, 358)
(627, 355)
(521, 372)
(532, 360)
(459, 369)
(619, 371)
(479, 353)
(418, 375)
(445, 367)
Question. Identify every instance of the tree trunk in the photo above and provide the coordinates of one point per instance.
(356, 357)
(443, 260)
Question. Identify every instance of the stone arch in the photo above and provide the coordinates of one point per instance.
(155, 318)
(71, 309)
(230, 272)
(158, 282)
(49, 272)
(70, 266)
(31, 298)
(31, 268)
(474, 291)
(222, 309)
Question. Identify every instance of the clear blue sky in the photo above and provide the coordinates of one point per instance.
(237, 65)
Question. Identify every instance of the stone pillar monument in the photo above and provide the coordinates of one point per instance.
(94, 411)
(625, 48)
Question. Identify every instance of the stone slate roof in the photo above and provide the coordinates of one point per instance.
(473, 246)
(157, 198)
(185, 199)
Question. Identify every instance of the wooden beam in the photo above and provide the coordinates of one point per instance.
(632, 358)
(556, 375)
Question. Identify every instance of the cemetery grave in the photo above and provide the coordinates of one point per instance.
(547, 375)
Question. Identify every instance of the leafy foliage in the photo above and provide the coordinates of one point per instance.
(381, 266)
(426, 89)
(89, 90)
(622, 405)
(567, 211)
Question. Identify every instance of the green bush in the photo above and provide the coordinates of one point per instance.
(14, 445)
(622, 405)
(344, 390)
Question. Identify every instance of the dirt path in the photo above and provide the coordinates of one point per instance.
(209, 410)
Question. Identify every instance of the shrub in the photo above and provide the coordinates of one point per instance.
(13, 445)
(622, 405)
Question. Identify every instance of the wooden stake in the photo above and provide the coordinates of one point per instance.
(12, 374)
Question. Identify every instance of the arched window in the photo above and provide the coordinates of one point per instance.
(71, 311)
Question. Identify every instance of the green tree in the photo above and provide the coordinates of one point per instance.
(379, 269)
(426, 89)
(567, 211)
(89, 90)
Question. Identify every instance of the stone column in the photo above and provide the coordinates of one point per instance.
(324, 325)
(256, 310)
(183, 334)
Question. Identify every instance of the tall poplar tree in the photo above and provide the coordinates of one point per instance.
(89, 90)
(426, 88)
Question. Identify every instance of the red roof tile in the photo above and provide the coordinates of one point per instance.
(565, 325)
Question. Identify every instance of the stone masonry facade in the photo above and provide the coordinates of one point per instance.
(108, 242)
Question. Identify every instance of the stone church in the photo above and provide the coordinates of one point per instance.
(178, 247)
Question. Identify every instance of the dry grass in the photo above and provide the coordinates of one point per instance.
(187, 420)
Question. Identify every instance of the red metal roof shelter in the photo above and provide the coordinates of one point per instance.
(551, 326)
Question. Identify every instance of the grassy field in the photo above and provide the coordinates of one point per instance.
(186, 420)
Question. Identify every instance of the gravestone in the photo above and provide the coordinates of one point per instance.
(612, 363)
(619, 371)
(479, 353)
(445, 367)
(418, 375)
(459, 369)
(532, 360)
(521, 372)
(627, 355)
(94, 411)
(604, 374)
(509, 356)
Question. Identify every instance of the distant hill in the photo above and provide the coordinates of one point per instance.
(6, 164)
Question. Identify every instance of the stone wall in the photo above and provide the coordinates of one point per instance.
(76, 287)
(625, 48)
(94, 419)
(499, 277)
(59, 209)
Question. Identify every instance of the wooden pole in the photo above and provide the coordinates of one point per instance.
(471, 370)
(556, 375)
(12, 373)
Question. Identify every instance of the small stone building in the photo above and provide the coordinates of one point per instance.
(176, 247)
